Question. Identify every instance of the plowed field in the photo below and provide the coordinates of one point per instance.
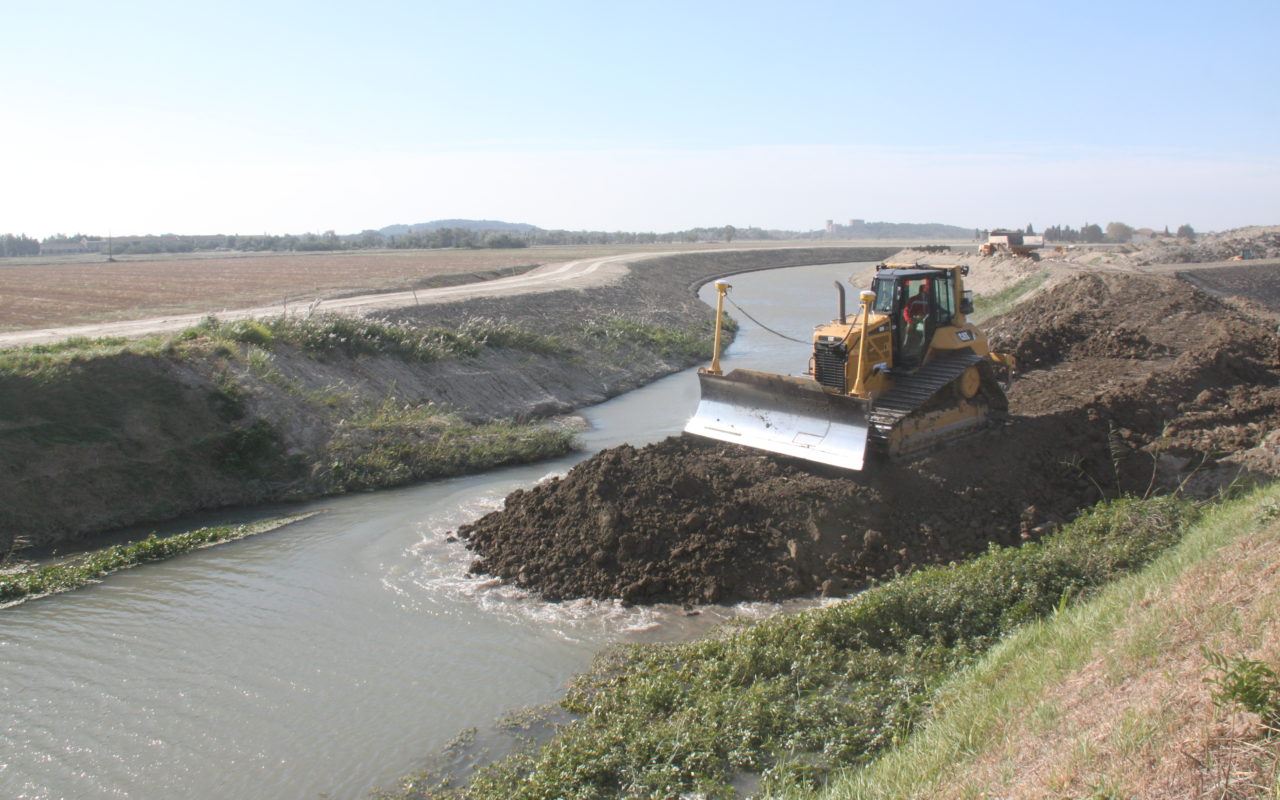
(45, 295)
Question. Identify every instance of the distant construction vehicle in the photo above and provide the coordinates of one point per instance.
(1014, 243)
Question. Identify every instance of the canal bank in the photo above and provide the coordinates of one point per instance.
(102, 435)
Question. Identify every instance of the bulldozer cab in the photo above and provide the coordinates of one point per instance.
(917, 302)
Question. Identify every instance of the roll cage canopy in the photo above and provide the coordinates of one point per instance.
(895, 286)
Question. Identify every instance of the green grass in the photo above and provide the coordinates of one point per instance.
(326, 334)
(987, 306)
(618, 333)
(392, 444)
(334, 333)
(791, 700)
(970, 710)
(318, 336)
(16, 587)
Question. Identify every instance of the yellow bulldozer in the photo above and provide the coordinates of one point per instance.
(906, 374)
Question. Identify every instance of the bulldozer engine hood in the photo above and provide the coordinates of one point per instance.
(848, 332)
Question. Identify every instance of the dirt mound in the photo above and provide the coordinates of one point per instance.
(988, 275)
(1251, 242)
(1155, 339)
(1137, 382)
(693, 521)
(1098, 315)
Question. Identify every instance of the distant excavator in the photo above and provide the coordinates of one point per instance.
(908, 373)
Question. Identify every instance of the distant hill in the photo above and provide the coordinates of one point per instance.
(495, 233)
(467, 224)
(858, 229)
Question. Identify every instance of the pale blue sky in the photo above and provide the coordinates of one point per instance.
(237, 117)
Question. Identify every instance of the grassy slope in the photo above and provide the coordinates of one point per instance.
(1107, 699)
(790, 700)
(993, 305)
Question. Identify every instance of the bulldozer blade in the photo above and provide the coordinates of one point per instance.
(786, 415)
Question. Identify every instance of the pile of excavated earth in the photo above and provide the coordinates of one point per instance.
(1257, 242)
(1254, 242)
(1131, 383)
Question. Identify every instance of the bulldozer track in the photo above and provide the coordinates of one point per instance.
(915, 391)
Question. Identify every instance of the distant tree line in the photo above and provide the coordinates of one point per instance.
(474, 238)
(466, 237)
(20, 245)
(446, 237)
(458, 236)
(1115, 233)
(861, 229)
(443, 237)
(1088, 234)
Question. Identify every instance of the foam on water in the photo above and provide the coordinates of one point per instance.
(439, 581)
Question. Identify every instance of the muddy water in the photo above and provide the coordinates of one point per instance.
(328, 657)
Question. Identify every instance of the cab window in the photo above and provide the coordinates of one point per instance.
(945, 299)
(883, 287)
(922, 287)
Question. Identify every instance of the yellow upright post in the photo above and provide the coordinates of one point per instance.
(721, 289)
(859, 381)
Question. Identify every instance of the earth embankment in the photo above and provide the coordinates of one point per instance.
(100, 436)
(1132, 384)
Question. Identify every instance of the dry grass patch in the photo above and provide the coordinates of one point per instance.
(1111, 700)
(1138, 721)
